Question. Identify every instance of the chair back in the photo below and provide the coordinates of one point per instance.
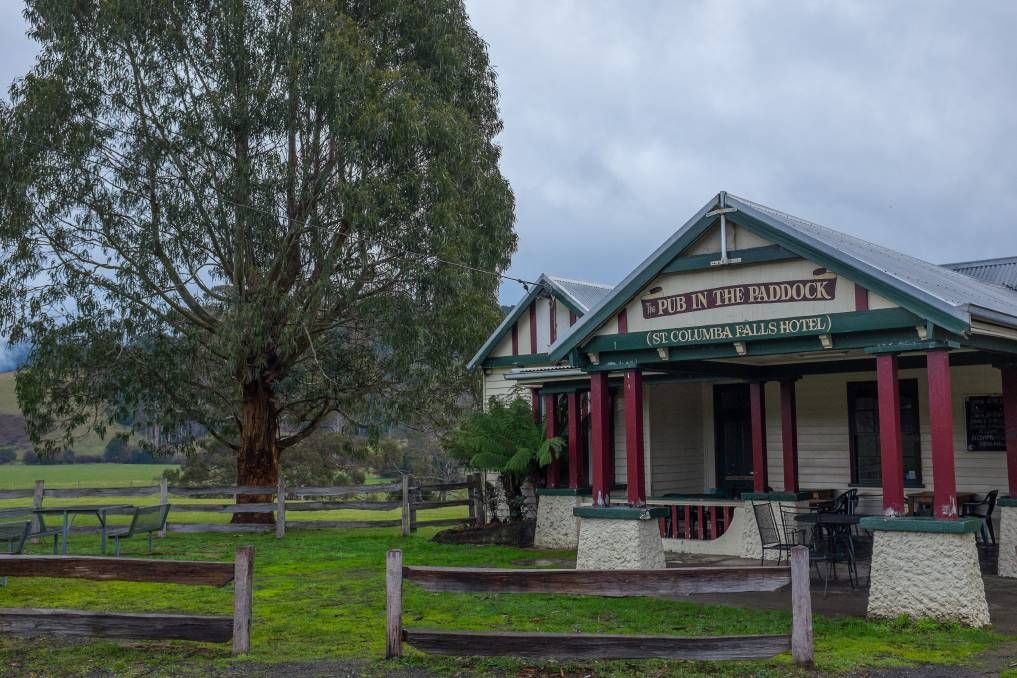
(765, 523)
(15, 534)
(990, 501)
(846, 503)
(794, 532)
(149, 518)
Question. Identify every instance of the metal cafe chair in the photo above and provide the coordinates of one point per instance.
(983, 509)
(810, 537)
(770, 537)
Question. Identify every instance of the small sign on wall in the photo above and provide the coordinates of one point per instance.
(983, 415)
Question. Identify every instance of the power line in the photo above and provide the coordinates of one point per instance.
(277, 215)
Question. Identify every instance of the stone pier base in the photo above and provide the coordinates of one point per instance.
(619, 538)
(557, 527)
(1007, 536)
(926, 569)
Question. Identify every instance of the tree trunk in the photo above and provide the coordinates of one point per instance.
(258, 457)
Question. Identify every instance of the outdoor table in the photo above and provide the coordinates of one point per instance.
(98, 510)
(919, 500)
(837, 526)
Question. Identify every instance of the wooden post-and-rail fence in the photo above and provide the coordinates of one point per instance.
(665, 583)
(143, 626)
(411, 498)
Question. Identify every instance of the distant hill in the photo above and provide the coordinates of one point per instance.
(12, 424)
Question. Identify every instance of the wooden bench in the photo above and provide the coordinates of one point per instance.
(144, 519)
(145, 626)
(667, 583)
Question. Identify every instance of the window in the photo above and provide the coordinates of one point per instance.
(863, 423)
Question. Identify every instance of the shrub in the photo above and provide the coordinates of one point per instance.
(7, 455)
(34, 458)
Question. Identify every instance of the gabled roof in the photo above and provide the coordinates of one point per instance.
(577, 295)
(943, 296)
(1001, 271)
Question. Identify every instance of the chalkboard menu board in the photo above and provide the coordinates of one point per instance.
(985, 423)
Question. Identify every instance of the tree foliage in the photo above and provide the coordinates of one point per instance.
(239, 213)
(504, 439)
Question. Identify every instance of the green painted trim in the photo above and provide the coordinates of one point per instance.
(620, 512)
(750, 255)
(631, 359)
(558, 388)
(919, 524)
(1009, 502)
(776, 496)
(528, 360)
(747, 217)
(996, 344)
(564, 492)
(840, 323)
(910, 346)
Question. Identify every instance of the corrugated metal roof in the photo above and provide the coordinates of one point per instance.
(585, 295)
(955, 291)
(1001, 271)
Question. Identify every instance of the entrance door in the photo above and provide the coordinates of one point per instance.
(732, 438)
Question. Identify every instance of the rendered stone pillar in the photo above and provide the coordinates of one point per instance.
(557, 527)
(926, 569)
(1007, 537)
(619, 538)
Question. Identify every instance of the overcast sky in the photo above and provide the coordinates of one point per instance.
(893, 121)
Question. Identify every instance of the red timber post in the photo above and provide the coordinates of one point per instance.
(944, 478)
(551, 431)
(757, 413)
(535, 403)
(635, 464)
(576, 474)
(533, 329)
(789, 433)
(890, 447)
(1009, 374)
(552, 305)
(600, 429)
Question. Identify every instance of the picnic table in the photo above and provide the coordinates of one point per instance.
(100, 511)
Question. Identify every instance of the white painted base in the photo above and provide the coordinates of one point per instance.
(606, 544)
(1008, 541)
(751, 545)
(927, 575)
(731, 543)
(556, 527)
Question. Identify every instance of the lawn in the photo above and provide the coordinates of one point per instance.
(21, 476)
(319, 597)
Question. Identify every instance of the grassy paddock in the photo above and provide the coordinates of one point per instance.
(63, 476)
(319, 595)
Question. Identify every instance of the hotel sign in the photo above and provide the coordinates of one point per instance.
(738, 295)
(744, 331)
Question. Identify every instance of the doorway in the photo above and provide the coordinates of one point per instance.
(732, 424)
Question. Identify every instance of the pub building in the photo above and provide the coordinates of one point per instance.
(757, 358)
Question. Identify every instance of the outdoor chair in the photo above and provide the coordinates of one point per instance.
(983, 509)
(770, 536)
(145, 519)
(811, 537)
(14, 535)
(39, 530)
(846, 503)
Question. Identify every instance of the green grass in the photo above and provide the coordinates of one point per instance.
(20, 476)
(319, 595)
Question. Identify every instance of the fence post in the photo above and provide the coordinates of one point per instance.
(478, 500)
(406, 506)
(801, 607)
(243, 594)
(163, 499)
(280, 509)
(394, 604)
(40, 492)
(413, 508)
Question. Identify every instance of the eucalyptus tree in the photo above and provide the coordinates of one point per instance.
(240, 217)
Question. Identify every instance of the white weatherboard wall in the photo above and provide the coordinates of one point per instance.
(497, 386)
(675, 438)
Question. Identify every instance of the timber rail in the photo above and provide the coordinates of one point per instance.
(665, 583)
(408, 495)
(143, 626)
